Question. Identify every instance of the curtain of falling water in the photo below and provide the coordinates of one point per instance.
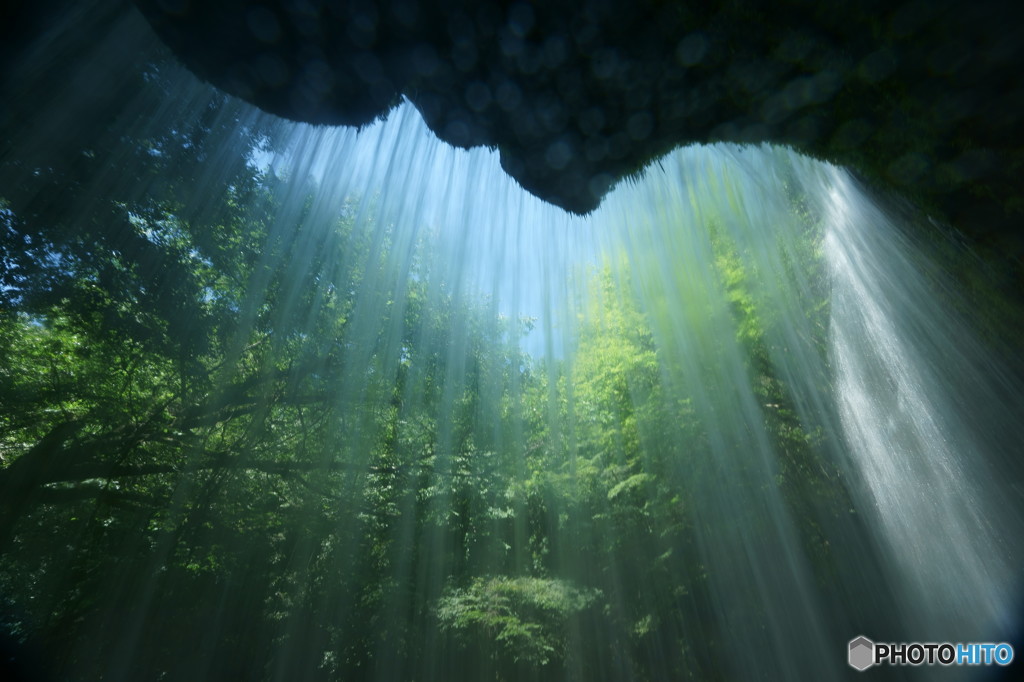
(910, 384)
(733, 259)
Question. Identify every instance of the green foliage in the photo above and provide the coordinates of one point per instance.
(520, 619)
(250, 421)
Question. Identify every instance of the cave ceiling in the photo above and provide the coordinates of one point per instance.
(921, 99)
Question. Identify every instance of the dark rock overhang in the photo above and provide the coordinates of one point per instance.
(922, 97)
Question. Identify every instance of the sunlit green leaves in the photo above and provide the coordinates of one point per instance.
(525, 619)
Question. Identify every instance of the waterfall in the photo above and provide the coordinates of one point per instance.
(293, 403)
(909, 380)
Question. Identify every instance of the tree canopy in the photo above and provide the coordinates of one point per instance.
(240, 441)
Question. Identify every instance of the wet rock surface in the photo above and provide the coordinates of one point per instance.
(923, 98)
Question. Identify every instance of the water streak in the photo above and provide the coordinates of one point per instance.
(794, 422)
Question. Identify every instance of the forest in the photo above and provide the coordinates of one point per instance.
(247, 433)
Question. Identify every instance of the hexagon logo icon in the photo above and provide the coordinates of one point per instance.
(862, 653)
